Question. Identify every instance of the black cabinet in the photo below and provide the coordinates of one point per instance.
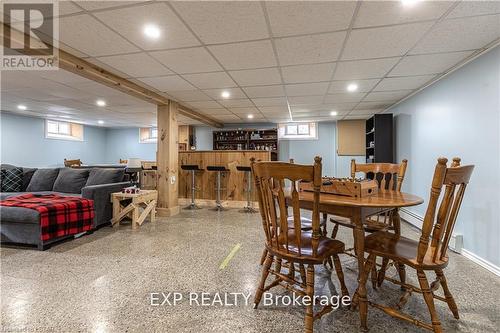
(380, 139)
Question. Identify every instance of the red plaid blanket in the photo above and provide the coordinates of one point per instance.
(59, 216)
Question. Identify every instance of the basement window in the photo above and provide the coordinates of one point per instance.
(63, 130)
(298, 131)
(148, 134)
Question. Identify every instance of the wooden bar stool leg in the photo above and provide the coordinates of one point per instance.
(447, 294)
(429, 299)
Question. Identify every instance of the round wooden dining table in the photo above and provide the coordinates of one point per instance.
(358, 209)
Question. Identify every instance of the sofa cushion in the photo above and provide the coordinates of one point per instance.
(27, 175)
(42, 180)
(71, 180)
(12, 180)
(100, 176)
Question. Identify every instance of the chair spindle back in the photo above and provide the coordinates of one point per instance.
(270, 183)
(455, 179)
(388, 175)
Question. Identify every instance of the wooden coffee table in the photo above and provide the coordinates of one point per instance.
(145, 199)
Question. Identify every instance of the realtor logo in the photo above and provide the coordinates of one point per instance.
(30, 36)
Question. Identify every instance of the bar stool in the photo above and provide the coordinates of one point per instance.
(193, 168)
(219, 169)
(248, 171)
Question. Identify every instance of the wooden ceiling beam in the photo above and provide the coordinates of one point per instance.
(81, 67)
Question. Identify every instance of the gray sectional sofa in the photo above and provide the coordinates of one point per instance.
(21, 225)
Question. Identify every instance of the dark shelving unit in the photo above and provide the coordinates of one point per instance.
(247, 139)
(379, 139)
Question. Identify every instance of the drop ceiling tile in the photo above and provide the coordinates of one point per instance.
(376, 13)
(364, 69)
(234, 93)
(309, 49)
(225, 21)
(386, 96)
(309, 100)
(68, 7)
(257, 77)
(356, 117)
(136, 65)
(130, 22)
(384, 41)
(79, 32)
(305, 17)
(372, 105)
(244, 110)
(460, 35)
(167, 83)
(236, 103)
(96, 5)
(365, 111)
(475, 8)
(59, 75)
(229, 118)
(265, 91)
(205, 105)
(189, 95)
(340, 107)
(407, 82)
(245, 55)
(428, 64)
(341, 86)
(308, 73)
(273, 109)
(306, 89)
(184, 61)
(210, 80)
(269, 101)
(344, 97)
(218, 112)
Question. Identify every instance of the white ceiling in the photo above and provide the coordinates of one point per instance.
(273, 57)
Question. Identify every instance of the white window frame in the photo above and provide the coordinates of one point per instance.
(285, 132)
(59, 135)
(151, 138)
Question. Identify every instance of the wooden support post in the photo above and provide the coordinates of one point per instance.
(167, 159)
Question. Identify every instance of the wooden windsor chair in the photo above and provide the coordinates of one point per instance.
(389, 177)
(423, 255)
(299, 248)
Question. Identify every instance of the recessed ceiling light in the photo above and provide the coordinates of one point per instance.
(250, 116)
(352, 87)
(225, 94)
(100, 122)
(100, 102)
(334, 113)
(152, 31)
(21, 107)
(409, 3)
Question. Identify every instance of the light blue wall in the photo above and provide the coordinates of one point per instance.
(458, 116)
(123, 143)
(23, 143)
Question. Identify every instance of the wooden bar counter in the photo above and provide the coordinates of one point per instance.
(234, 181)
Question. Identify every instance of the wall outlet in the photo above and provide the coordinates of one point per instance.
(172, 180)
(456, 243)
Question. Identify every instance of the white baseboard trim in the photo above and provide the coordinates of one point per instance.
(481, 262)
(416, 220)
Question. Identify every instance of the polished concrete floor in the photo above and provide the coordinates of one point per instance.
(103, 283)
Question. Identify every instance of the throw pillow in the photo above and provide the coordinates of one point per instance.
(27, 174)
(71, 180)
(12, 180)
(42, 180)
(99, 176)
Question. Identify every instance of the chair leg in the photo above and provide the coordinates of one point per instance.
(447, 294)
(309, 318)
(302, 271)
(265, 273)
(402, 274)
(373, 275)
(340, 274)
(263, 257)
(362, 299)
(429, 299)
(335, 231)
(381, 272)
